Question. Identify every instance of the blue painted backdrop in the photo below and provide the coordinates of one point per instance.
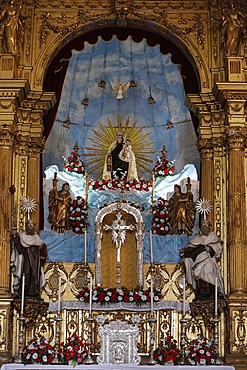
(154, 75)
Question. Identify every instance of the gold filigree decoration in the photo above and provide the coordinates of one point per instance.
(34, 309)
(52, 273)
(79, 277)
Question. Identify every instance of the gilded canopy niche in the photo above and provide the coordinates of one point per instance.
(124, 222)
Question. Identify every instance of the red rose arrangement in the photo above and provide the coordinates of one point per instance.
(74, 164)
(161, 217)
(137, 295)
(38, 351)
(201, 349)
(140, 185)
(167, 351)
(78, 215)
(163, 167)
(75, 350)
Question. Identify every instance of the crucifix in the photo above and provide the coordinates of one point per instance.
(118, 233)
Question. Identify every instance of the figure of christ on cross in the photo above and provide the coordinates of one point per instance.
(118, 231)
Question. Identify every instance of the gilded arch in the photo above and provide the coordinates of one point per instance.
(195, 56)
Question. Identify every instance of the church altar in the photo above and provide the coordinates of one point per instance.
(110, 367)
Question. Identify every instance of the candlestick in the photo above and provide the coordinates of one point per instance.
(90, 295)
(184, 298)
(85, 247)
(59, 296)
(118, 255)
(216, 297)
(152, 297)
(22, 294)
(151, 246)
(153, 184)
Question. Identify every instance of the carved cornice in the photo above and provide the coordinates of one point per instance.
(105, 4)
(225, 92)
(13, 90)
(68, 22)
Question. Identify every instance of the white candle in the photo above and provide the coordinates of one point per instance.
(151, 246)
(85, 247)
(22, 294)
(90, 295)
(184, 298)
(118, 255)
(152, 296)
(216, 296)
(59, 295)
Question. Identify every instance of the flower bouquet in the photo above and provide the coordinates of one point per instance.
(167, 352)
(163, 167)
(137, 295)
(140, 185)
(38, 351)
(78, 214)
(161, 217)
(201, 350)
(74, 350)
(74, 164)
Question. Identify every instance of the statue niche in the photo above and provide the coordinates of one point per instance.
(126, 222)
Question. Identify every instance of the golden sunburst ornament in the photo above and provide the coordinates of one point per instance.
(104, 136)
(28, 205)
(204, 206)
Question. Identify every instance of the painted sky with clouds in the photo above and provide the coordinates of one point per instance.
(114, 61)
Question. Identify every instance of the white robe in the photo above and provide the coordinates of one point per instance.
(205, 267)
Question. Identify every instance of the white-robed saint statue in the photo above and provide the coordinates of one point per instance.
(200, 258)
(120, 162)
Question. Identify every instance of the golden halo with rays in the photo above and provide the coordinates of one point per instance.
(104, 136)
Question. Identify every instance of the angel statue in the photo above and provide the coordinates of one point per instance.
(120, 89)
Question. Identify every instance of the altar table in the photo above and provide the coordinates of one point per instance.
(14, 366)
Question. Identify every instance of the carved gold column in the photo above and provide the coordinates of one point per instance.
(237, 213)
(207, 171)
(211, 128)
(30, 146)
(6, 149)
(34, 175)
(233, 97)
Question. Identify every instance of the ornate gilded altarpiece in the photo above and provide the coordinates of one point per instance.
(220, 106)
